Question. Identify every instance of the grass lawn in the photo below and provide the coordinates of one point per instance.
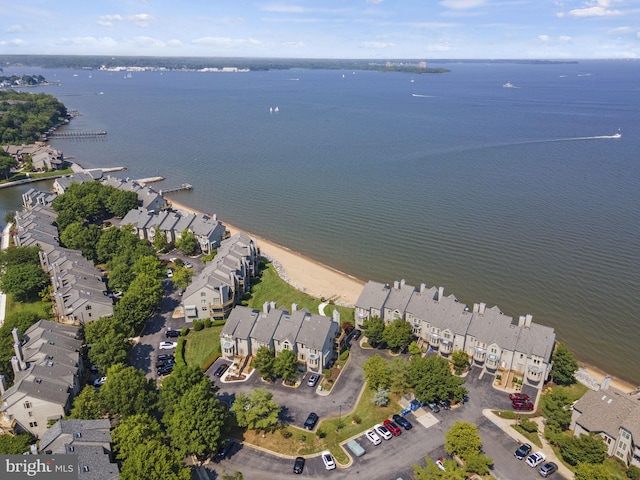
(533, 437)
(271, 288)
(202, 345)
(303, 442)
(36, 305)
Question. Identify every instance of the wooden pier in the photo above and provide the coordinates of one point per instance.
(77, 134)
(184, 186)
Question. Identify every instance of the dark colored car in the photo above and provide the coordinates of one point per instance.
(403, 422)
(165, 370)
(221, 369)
(522, 451)
(166, 356)
(547, 469)
(298, 466)
(522, 406)
(172, 333)
(433, 406)
(356, 334)
(224, 449)
(165, 363)
(392, 427)
(518, 396)
(445, 404)
(311, 421)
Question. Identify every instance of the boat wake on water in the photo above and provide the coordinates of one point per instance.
(422, 96)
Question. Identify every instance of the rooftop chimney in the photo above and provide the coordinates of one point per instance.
(527, 320)
(273, 305)
(16, 365)
(16, 335)
(482, 307)
(440, 293)
(265, 307)
(294, 307)
(521, 321)
(336, 316)
(402, 283)
(475, 308)
(3, 385)
(423, 286)
(396, 284)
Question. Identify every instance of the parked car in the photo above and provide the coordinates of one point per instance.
(536, 459)
(165, 363)
(547, 469)
(168, 345)
(172, 333)
(440, 464)
(356, 334)
(311, 421)
(403, 422)
(224, 449)
(329, 462)
(433, 406)
(298, 465)
(392, 427)
(518, 396)
(522, 406)
(169, 273)
(98, 382)
(166, 356)
(166, 370)
(522, 451)
(188, 264)
(356, 448)
(313, 379)
(382, 431)
(373, 437)
(221, 369)
(444, 404)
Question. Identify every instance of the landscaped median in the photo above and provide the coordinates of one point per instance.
(293, 441)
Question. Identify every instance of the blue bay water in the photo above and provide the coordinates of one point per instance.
(495, 193)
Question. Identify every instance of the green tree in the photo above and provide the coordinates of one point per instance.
(87, 405)
(398, 369)
(264, 362)
(22, 321)
(160, 242)
(478, 463)
(79, 237)
(432, 379)
(182, 277)
(197, 426)
(633, 472)
(373, 329)
(153, 460)
(23, 281)
(590, 471)
(256, 411)
(286, 365)
(149, 265)
(120, 277)
(187, 243)
(174, 387)
(127, 391)
(15, 445)
(381, 397)
(9, 217)
(135, 430)
(398, 334)
(555, 409)
(414, 349)
(236, 475)
(462, 439)
(121, 201)
(460, 361)
(564, 365)
(376, 372)
(7, 162)
(432, 472)
(108, 340)
(583, 449)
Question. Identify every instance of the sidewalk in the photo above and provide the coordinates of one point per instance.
(4, 245)
(505, 425)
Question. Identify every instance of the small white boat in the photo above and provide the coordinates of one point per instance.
(618, 134)
(276, 109)
(508, 85)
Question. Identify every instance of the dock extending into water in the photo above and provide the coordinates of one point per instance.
(144, 181)
(184, 186)
(77, 134)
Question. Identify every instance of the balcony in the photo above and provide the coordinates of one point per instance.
(479, 355)
(446, 346)
(492, 362)
(434, 340)
(534, 373)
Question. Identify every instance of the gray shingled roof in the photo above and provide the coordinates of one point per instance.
(289, 326)
(608, 410)
(398, 298)
(494, 327)
(314, 330)
(537, 340)
(265, 325)
(373, 296)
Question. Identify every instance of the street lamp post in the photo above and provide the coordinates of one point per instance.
(339, 417)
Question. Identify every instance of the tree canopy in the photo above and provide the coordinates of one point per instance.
(286, 365)
(87, 405)
(376, 372)
(27, 115)
(22, 274)
(398, 334)
(187, 243)
(256, 411)
(373, 329)
(564, 365)
(432, 379)
(127, 391)
(264, 362)
(583, 449)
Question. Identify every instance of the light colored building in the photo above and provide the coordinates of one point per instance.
(494, 342)
(615, 417)
(47, 367)
(311, 337)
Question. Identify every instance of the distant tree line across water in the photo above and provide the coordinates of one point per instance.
(196, 63)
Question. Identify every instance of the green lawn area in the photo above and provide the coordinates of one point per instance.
(574, 392)
(271, 288)
(201, 346)
(302, 442)
(36, 305)
(533, 437)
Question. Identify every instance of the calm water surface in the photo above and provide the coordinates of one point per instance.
(502, 195)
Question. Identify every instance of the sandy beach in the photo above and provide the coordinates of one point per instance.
(302, 272)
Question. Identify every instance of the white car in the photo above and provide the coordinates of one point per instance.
(440, 465)
(328, 460)
(372, 437)
(98, 382)
(168, 345)
(169, 273)
(382, 431)
(536, 459)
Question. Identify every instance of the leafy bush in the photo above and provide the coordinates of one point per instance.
(180, 351)
(184, 331)
(286, 433)
(208, 323)
(210, 361)
(344, 355)
(356, 419)
(198, 325)
(528, 425)
(321, 433)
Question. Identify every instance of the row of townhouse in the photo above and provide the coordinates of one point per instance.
(79, 290)
(47, 369)
(43, 157)
(494, 341)
(612, 415)
(208, 231)
(312, 337)
(148, 197)
(224, 281)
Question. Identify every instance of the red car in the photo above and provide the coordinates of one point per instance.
(392, 427)
(519, 396)
(522, 406)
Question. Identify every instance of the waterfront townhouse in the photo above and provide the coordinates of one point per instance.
(33, 197)
(47, 368)
(494, 342)
(612, 415)
(60, 185)
(149, 198)
(89, 440)
(310, 336)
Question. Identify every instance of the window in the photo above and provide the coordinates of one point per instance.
(85, 468)
(33, 424)
(203, 294)
(78, 434)
(204, 309)
(88, 307)
(27, 405)
(626, 435)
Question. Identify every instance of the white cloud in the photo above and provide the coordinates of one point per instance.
(146, 42)
(293, 44)
(15, 28)
(597, 8)
(277, 8)
(544, 38)
(623, 29)
(16, 42)
(227, 42)
(564, 38)
(376, 44)
(375, 2)
(139, 19)
(174, 43)
(462, 4)
(87, 41)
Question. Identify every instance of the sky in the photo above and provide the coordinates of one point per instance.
(367, 29)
